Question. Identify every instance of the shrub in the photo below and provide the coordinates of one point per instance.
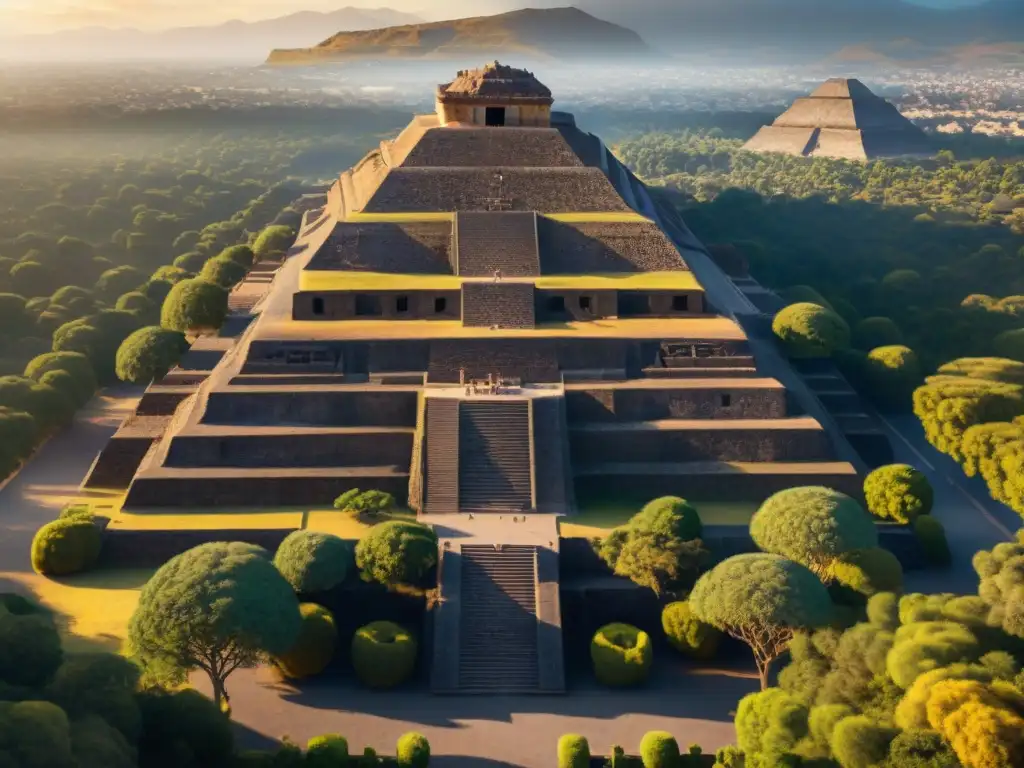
(367, 503)
(926, 645)
(823, 719)
(100, 684)
(148, 354)
(383, 654)
(892, 374)
(659, 749)
(119, 280)
(911, 712)
(313, 561)
(397, 552)
(920, 748)
(64, 547)
(183, 723)
(932, 537)
(770, 723)
(573, 751)
(898, 492)
(813, 526)
(688, 634)
(74, 364)
(327, 751)
(273, 242)
(869, 571)
(809, 330)
(860, 742)
(222, 272)
(668, 516)
(874, 332)
(729, 757)
(30, 649)
(314, 649)
(797, 294)
(191, 262)
(240, 254)
(1010, 344)
(136, 301)
(413, 750)
(194, 305)
(622, 655)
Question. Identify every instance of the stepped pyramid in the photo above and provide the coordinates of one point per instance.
(841, 119)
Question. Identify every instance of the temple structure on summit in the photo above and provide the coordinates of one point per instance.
(488, 315)
(478, 245)
(841, 119)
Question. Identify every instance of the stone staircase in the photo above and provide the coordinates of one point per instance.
(498, 632)
(490, 241)
(494, 457)
(441, 440)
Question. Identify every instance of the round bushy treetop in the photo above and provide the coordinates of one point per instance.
(869, 572)
(412, 751)
(659, 749)
(898, 492)
(1010, 344)
(1001, 571)
(75, 364)
(194, 305)
(35, 734)
(13, 317)
(823, 719)
(183, 723)
(892, 374)
(64, 296)
(101, 684)
(761, 599)
(903, 282)
(78, 336)
(215, 607)
(119, 280)
(18, 433)
(66, 546)
(171, 274)
(981, 722)
(920, 748)
(313, 651)
(240, 254)
(397, 552)
(688, 634)
(191, 262)
(273, 242)
(810, 330)
(668, 516)
(223, 272)
(148, 354)
(31, 279)
(770, 723)
(30, 649)
(926, 645)
(874, 332)
(812, 525)
(911, 711)
(860, 742)
(48, 406)
(156, 290)
(931, 535)
(805, 294)
(312, 561)
(327, 751)
(136, 301)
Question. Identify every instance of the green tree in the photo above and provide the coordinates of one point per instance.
(240, 254)
(397, 552)
(860, 742)
(273, 242)
(812, 525)
(312, 561)
(217, 607)
(688, 634)
(119, 280)
(148, 354)
(30, 278)
(761, 599)
(808, 330)
(872, 332)
(898, 492)
(769, 725)
(194, 305)
(892, 374)
(30, 648)
(223, 272)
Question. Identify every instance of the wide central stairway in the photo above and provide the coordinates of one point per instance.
(498, 624)
(494, 454)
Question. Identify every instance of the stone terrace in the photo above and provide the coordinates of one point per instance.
(595, 247)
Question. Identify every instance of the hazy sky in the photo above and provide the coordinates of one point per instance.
(48, 15)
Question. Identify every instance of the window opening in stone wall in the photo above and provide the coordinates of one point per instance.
(440, 305)
(726, 401)
(494, 116)
(680, 303)
(318, 306)
(367, 305)
(585, 303)
(556, 304)
(402, 304)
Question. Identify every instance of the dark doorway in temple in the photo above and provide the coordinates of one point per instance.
(495, 116)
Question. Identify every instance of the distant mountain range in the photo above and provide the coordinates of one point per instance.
(236, 40)
(808, 27)
(559, 33)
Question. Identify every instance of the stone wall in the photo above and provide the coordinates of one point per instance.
(117, 462)
(608, 405)
(506, 305)
(532, 361)
(379, 305)
(338, 408)
(254, 489)
(158, 402)
(394, 356)
(595, 446)
(370, 448)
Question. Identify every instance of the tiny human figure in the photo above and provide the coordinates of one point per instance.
(497, 275)
(462, 376)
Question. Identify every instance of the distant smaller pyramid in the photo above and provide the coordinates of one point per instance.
(841, 119)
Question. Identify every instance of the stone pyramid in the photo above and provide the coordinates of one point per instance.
(841, 119)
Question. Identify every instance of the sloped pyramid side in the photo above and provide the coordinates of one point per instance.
(842, 119)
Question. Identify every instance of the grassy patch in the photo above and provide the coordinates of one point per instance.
(342, 280)
(597, 518)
